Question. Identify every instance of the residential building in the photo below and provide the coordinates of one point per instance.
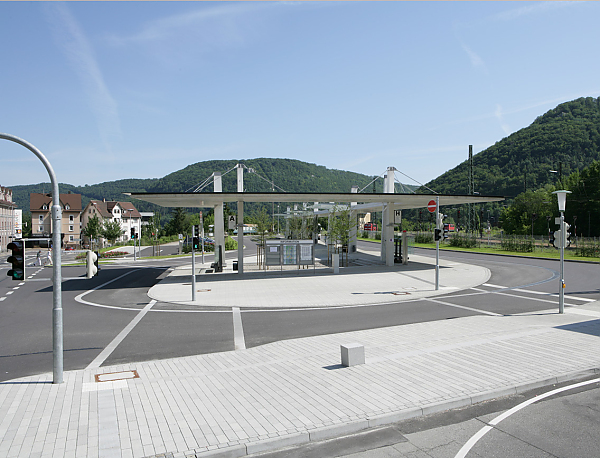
(7, 218)
(123, 212)
(40, 206)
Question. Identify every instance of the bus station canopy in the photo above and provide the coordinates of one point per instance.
(370, 201)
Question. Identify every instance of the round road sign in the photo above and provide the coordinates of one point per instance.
(431, 206)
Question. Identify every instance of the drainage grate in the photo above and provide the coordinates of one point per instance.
(113, 376)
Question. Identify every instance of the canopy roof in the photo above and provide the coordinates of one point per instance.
(398, 201)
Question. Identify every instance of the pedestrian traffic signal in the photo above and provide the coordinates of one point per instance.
(91, 264)
(132, 231)
(567, 235)
(196, 243)
(17, 259)
(438, 235)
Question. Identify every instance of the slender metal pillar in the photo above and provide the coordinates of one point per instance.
(561, 291)
(241, 237)
(437, 244)
(193, 265)
(57, 311)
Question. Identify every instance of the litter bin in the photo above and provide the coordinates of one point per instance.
(235, 265)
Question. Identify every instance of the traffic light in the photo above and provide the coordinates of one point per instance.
(567, 235)
(557, 238)
(446, 230)
(438, 235)
(17, 260)
(132, 231)
(91, 264)
(196, 243)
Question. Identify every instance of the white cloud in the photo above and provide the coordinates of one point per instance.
(535, 8)
(193, 22)
(500, 118)
(70, 37)
(476, 61)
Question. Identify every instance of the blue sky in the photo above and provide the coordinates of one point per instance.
(113, 90)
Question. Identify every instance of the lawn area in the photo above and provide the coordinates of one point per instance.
(546, 252)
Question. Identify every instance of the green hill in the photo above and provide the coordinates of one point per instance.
(568, 135)
(287, 174)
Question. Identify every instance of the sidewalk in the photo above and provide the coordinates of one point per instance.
(290, 392)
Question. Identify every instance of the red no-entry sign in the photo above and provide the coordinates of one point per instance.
(431, 206)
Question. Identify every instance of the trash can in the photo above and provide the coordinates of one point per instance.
(235, 265)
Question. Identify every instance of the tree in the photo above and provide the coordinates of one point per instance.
(111, 231)
(339, 227)
(92, 229)
(180, 222)
(531, 207)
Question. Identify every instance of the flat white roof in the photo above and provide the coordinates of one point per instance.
(370, 200)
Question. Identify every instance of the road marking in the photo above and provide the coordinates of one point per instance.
(239, 342)
(437, 301)
(2, 298)
(104, 354)
(584, 299)
(483, 431)
(9, 292)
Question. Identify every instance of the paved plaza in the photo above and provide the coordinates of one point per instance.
(294, 391)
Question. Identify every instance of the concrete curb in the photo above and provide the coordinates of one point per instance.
(346, 429)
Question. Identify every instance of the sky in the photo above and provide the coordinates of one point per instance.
(116, 90)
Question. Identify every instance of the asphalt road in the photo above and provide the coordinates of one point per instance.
(562, 425)
(26, 312)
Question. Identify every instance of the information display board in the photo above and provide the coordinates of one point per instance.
(289, 252)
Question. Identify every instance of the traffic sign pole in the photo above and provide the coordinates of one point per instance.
(437, 242)
(193, 264)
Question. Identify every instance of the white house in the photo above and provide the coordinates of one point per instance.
(123, 212)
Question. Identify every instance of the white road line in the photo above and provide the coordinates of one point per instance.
(238, 331)
(483, 431)
(9, 292)
(2, 298)
(104, 354)
(584, 299)
(462, 307)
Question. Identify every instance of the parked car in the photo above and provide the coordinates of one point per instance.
(370, 227)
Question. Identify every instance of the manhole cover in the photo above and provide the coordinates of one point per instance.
(112, 376)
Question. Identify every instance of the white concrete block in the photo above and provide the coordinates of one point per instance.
(353, 354)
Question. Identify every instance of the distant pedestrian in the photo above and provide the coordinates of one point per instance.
(38, 260)
(49, 257)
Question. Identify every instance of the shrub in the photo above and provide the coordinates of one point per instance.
(424, 237)
(588, 248)
(518, 244)
(463, 241)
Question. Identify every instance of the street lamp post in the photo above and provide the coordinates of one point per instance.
(57, 310)
(562, 201)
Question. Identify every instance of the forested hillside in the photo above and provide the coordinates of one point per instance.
(286, 174)
(568, 135)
